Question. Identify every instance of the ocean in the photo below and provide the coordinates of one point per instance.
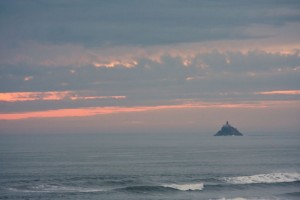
(149, 166)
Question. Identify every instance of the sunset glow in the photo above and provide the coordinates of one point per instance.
(92, 111)
(285, 92)
(108, 64)
(123, 99)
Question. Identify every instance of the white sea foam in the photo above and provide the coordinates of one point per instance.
(236, 198)
(242, 198)
(264, 178)
(186, 187)
(57, 189)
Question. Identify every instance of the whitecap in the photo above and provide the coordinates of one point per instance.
(186, 187)
(56, 189)
(264, 178)
(236, 198)
(242, 198)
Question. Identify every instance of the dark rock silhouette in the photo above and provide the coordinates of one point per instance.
(228, 130)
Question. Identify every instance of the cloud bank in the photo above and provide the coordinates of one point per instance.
(64, 59)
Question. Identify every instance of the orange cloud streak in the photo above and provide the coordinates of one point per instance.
(284, 92)
(92, 111)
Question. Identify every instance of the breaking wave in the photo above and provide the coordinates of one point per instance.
(143, 189)
(264, 178)
(251, 198)
(186, 187)
(164, 188)
(212, 185)
(45, 188)
(56, 188)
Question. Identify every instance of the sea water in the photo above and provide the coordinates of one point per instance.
(149, 166)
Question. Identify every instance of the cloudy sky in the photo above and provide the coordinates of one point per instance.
(74, 66)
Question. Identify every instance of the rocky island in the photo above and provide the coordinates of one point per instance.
(228, 130)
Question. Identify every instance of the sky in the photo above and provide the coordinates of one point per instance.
(171, 66)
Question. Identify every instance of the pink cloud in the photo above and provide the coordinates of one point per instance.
(92, 111)
(284, 92)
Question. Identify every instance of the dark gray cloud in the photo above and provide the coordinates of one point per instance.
(153, 52)
(227, 76)
(205, 68)
(102, 23)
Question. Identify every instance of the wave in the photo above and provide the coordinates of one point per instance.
(264, 178)
(186, 187)
(163, 188)
(143, 189)
(242, 198)
(292, 194)
(225, 184)
(47, 188)
(56, 189)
